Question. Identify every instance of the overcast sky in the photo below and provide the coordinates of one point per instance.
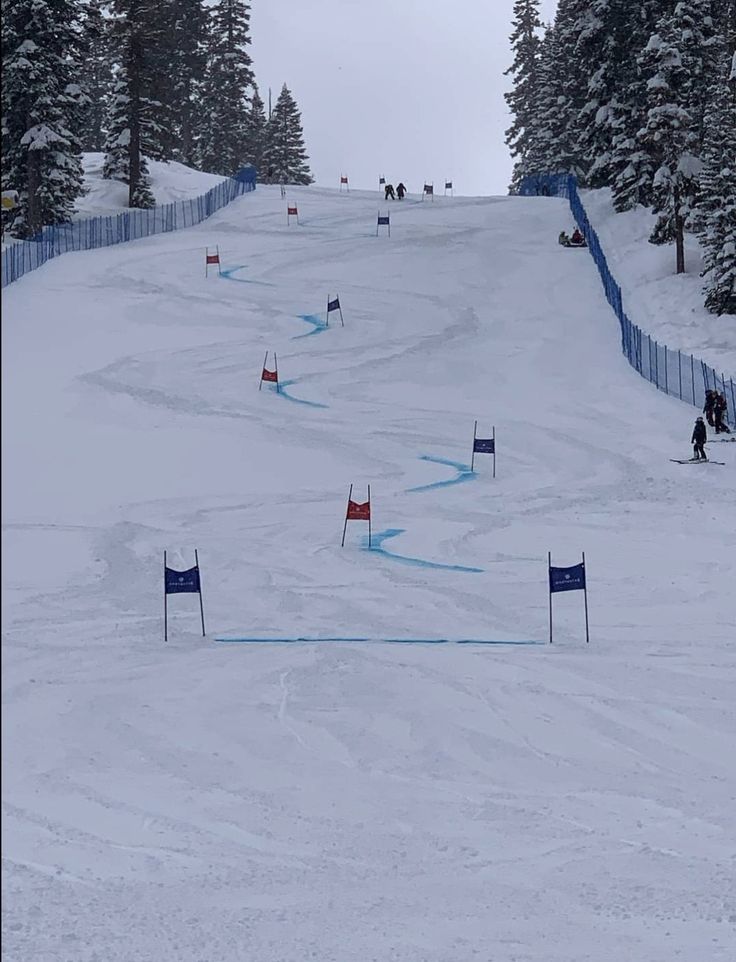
(412, 89)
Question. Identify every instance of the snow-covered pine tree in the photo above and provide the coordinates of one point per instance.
(562, 92)
(41, 100)
(540, 134)
(285, 157)
(256, 131)
(717, 198)
(676, 61)
(96, 73)
(132, 129)
(523, 98)
(187, 61)
(631, 166)
(223, 134)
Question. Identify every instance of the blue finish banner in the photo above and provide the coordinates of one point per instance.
(182, 582)
(567, 579)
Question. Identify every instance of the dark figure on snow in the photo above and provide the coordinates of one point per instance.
(577, 237)
(400, 191)
(563, 239)
(710, 403)
(719, 414)
(389, 191)
(700, 436)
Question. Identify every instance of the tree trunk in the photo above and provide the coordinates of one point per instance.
(679, 232)
(34, 219)
(134, 119)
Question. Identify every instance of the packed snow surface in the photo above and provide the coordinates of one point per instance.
(667, 306)
(201, 801)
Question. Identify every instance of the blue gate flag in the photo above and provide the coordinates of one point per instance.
(383, 220)
(484, 445)
(333, 305)
(567, 579)
(181, 582)
(448, 185)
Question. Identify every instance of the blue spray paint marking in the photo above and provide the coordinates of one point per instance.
(241, 280)
(380, 641)
(282, 392)
(382, 536)
(318, 325)
(463, 473)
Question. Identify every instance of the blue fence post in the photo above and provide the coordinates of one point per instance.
(679, 370)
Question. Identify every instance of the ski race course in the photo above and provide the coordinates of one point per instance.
(356, 800)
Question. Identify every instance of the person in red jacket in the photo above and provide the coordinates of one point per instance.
(577, 237)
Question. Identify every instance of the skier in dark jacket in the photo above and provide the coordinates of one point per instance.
(710, 402)
(719, 414)
(389, 192)
(700, 436)
(400, 191)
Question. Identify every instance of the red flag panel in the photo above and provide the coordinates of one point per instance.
(292, 210)
(359, 512)
(343, 180)
(213, 258)
(269, 376)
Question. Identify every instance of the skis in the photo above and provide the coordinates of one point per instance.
(695, 461)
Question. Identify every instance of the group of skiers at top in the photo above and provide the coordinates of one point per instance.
(715, 411)
(393, 194)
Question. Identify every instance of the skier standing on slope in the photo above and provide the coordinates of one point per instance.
(700, 436)
(389, 192)
(400, 191)
(719, 413)
(710, 400)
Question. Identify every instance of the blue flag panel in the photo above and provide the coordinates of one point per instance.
(333, 305)
(180, 582)
(383, 220)
(567, 579)
(484, 445)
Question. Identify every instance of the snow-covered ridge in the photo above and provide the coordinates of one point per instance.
(170, 181)
(665, 305)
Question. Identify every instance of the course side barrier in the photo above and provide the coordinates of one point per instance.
(83, 235)
(680, 375)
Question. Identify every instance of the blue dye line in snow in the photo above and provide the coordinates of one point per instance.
(464, 473)
(282, 392)
(376, 546)
(380, 641)
(318, 325)
(227, 274)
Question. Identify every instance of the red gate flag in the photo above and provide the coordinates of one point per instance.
(292, 211)
(270, 376)
(358, 511)
(211, 259)
(343, 179)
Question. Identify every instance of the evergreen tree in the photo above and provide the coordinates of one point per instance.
(41, 101)
(187, 59)
(717, 200)
(132, 129)
(256, 131)
(223, 137)
(631, 167)
(285, 157)
(96, 73)
(676, 61)
(523, 99)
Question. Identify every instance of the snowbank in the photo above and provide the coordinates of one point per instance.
(664, 305)
(169, 182)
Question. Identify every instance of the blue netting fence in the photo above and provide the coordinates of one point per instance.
(680, 375)
(83, 235)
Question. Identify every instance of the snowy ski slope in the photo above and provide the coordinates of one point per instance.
(210, 802)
